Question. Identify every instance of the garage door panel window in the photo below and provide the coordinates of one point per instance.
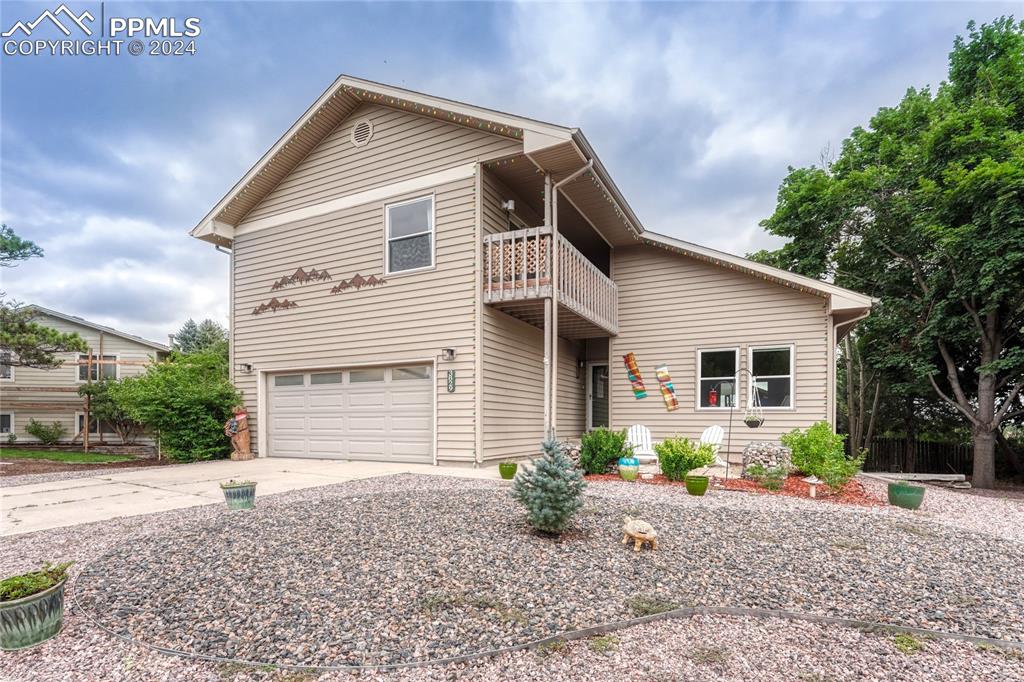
(289, 380)
(325, 378)
(410, 235)
(365, 376)
(772, 381)
(717, 377)
(410, 373)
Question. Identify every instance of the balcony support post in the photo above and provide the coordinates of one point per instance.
(548, 304)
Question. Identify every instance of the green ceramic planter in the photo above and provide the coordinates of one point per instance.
(697, 485)
(239, 496)
(30, 620)
(905, 495)
(629, 468)
(508, 470)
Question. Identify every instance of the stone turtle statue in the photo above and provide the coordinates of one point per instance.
(639, 532)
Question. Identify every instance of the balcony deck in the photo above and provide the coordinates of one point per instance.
(518, 277)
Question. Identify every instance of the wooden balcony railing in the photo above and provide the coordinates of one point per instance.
(518, 267)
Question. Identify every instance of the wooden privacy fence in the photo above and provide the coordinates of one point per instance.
(890, 455)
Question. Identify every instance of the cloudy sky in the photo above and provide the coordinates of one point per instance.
(696, 109)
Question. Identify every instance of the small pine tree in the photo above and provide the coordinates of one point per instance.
(552, 492)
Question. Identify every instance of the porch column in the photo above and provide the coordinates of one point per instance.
(548, 305)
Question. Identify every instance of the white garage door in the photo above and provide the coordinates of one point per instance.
(372, 413)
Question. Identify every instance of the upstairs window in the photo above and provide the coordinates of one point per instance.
(409, 228)
(6, 370)
(773, 376)
(108, 365)
(717, 377)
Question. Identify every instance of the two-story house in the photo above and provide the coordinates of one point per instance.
(417, 279)
(51, 395)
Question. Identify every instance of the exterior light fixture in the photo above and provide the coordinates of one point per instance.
(447, 354)
(244, 367)
(813, 481)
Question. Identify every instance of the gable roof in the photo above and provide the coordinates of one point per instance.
(558, 150)
(98, 327)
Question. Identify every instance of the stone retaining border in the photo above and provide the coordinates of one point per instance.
(572, 635)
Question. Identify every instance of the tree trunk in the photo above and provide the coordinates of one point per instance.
(984, 475)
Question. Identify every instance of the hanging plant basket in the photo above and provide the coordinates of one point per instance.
(753, 420)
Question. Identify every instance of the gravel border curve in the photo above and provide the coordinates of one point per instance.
(376, 611)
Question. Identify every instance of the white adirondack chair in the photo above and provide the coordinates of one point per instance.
(639, 436)
(713, 436)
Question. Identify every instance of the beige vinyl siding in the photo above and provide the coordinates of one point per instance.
(411, 317)
(671, 305)
(513, 387)
(32, 387)
(572, 391)
(404, 145)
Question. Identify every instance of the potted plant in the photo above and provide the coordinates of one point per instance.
(239, 494)
(508, 470)
(902, 494)
(629, 467)
(32, 606)
(678, 457)
(753, 421)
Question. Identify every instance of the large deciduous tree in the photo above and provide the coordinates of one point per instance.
(924, 208)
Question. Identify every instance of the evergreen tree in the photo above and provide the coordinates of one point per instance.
(187, 337)
(552, 492)
(209, 334)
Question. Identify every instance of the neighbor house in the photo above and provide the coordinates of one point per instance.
(421, 280)
(51, 395)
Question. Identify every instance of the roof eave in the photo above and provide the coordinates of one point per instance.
(99, 327)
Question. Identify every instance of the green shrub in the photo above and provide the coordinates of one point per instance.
(552, 491)
(185, 400)
(47, 434)
(678, 456)
(27, 584)
(770, 478)
(602, 447)
(820, 452)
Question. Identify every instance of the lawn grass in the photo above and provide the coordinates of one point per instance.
(61, 456)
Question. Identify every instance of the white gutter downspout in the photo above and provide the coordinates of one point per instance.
(552, 360)
(547, 320)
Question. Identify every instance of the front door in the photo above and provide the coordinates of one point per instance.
(597, 395)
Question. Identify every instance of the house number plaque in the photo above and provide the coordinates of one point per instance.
(451, 381)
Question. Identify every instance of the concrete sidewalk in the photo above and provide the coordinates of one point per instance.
(109, 495)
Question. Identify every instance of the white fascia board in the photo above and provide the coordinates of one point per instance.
(212, 229)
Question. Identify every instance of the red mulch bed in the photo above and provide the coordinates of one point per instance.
(852, 493)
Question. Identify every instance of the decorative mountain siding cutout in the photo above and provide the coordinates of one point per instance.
(358, 282)
(273, 305)
(301, 276)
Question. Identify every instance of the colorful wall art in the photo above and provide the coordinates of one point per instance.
(634, 376)
(301, 276)
(357, 282)
(273, 305)
(668, 392)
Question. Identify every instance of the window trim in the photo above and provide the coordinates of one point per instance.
(432, 232)
(97, 432)
(9, 413)
(78, 368)
(11, 368)
(735, 378)
(791, 347)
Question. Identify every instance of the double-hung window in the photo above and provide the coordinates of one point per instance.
(6, 422)
(102, 366)
(409, 233)
(716, 386)
(772, 380)
(6, 370)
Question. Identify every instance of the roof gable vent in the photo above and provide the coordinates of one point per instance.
(362, 131)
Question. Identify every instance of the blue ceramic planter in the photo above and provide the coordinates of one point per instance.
(33, 619)
(241, 496)
(629, 467)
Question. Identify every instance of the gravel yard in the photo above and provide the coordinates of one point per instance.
(400, 569)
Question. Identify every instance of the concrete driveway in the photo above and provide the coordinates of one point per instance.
(40, 506)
